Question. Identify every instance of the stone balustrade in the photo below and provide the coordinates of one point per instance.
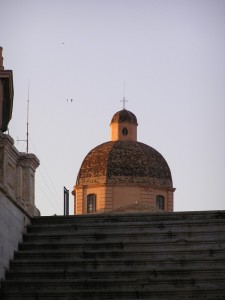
(17, 175)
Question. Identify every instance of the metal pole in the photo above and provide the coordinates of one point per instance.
(66, 202)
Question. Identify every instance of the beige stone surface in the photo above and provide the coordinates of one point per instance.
(17, 175)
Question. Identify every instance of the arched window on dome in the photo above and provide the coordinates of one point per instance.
(125, 131)
(160, 202)
(91, 203)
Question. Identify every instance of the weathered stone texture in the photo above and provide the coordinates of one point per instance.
(17, 203)
(17, 174)
(12, 227)
(125, 162)
(155, 256)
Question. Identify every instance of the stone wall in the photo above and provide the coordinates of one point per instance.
(17, 199)
(13, 223)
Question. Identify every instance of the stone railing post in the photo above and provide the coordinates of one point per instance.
(27, 165)
(17, 175)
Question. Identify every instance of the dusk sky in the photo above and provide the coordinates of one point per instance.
(171, 55)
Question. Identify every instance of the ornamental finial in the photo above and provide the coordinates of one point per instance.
(124, 100)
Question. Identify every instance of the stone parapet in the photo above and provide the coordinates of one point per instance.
(17, 175)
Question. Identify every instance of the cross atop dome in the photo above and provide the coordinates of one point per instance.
(124, 100)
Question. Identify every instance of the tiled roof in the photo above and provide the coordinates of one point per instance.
(124, 116)
(125, 162)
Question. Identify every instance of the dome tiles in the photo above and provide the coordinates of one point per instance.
(123, 116)
(125, 162)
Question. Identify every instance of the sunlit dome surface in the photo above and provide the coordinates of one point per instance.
(125, 162)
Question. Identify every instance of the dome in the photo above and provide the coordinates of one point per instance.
(123, 116)
(123, 174)
(125, 162)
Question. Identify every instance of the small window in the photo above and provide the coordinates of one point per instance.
(125, 131)
(160, 202)
(91, 203)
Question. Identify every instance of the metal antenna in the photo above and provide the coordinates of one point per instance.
(27, 134)
(28, 101)
(124, 86)
(124, 100)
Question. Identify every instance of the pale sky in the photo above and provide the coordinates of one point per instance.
(171, 54)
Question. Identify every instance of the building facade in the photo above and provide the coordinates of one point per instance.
(17, 179)
(122, 173)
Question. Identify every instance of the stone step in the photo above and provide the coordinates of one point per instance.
(117, 237)
(149, 284)
(162, 256)
(102, 227)
(206, 293)
(158, 254)
(216, 231)
(178, 217)
(122, 247)
(171, 244)
(206, 272)
(184, 293)
(116, 264)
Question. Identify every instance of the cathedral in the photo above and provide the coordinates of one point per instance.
(123, 174)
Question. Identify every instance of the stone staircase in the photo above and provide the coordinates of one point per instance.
(166, 256)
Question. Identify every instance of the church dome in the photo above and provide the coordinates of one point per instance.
(123, 116)
(125, 162)
(123, 174)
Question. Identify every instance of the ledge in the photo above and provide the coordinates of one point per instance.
(15, 202)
